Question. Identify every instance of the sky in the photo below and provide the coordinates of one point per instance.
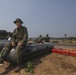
(53, 17)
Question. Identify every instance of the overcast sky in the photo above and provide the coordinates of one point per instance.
(55, 17)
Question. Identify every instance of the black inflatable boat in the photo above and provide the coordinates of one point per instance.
(31, 50)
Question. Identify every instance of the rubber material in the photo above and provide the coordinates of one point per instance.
(30, 51)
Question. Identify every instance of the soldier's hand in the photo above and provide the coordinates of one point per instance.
(13, 43)
(20, 44)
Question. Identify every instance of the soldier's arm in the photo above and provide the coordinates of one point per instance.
(25, 37)
(13, 36)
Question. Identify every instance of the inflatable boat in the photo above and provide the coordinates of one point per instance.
(31, 50)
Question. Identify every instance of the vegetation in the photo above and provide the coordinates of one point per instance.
(30, 67)
(65, 35)
(4, 34)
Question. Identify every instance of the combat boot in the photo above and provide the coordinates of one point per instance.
(1, 61)
(18, 68)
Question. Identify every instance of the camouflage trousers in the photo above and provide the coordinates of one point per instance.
(19, 52)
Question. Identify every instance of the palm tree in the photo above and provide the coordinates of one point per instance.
(65, 35)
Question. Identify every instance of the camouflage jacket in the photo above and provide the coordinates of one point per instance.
(20, 35)
(40, 39)
(47, 39)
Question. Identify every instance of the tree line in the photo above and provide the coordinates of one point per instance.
(4, 34)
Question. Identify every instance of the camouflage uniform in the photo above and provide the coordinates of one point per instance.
(40, 39)
(47, 38)
(19, 35)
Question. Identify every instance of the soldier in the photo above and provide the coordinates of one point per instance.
(47, 38)
(40, 39)
(19, 40)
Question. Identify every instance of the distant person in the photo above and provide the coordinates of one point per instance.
(47, 38)
(19, 40)
(30, 40)
(40, 39)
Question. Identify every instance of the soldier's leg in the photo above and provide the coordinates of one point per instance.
(19, 54)
(5, 51)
